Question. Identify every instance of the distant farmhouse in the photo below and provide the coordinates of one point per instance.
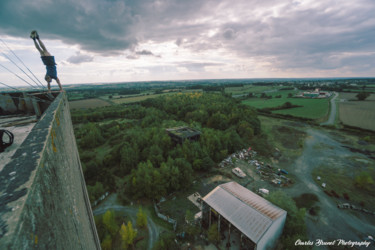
(236, 210)
(315, 94)
(180, 134)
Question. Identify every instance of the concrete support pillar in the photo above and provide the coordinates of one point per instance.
(229, 233)
(218, 224)
(209, 218)
(28, 103)
(38, 113)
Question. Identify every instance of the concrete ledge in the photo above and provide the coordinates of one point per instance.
(43, 199)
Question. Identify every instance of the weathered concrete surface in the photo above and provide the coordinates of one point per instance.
(43, 199)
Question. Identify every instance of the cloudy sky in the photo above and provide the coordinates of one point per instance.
(136, 40)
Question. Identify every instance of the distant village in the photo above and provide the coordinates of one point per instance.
(317, 93)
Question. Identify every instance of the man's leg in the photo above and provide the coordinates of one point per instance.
(59, 83)
(45, 52)
(38, 48)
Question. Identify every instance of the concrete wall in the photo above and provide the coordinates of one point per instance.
(269, 239)
(43, 200)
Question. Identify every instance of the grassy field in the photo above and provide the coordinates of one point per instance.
(247, 89)
(359, 114)
(139, 98)
(312, 108)
(134, 99)
(278, 133)
(88, 103)
(342, 181)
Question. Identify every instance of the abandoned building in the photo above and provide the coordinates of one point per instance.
(180, 134)
(237, 210)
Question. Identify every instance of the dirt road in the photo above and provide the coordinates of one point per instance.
(321, 148)
(131, 211)
(332, 114)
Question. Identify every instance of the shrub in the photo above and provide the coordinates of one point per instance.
(335, 194)
(346, 196)
(328, 193)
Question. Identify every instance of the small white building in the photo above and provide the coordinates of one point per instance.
(236, 209)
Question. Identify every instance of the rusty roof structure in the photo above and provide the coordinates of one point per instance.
(179, 134)
(247, 211)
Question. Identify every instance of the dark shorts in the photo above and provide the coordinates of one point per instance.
(51, 72)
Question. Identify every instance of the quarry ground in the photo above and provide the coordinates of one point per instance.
(324, 149)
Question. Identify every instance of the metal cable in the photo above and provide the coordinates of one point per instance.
(21, 69)
(41, 84)
(18, 76)
(30, 96)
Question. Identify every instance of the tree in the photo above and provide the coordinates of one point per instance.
(107, 242)
(287, 105)
(170, 174)
(191, 228)
(364, 180)
(362, 96)
(141, 218)
(166, 242)
(109, 222)
(92, 136)
(95, 191)
(129, 158)
(128, 234)
(186, 172)
(213, 234)
(245, 130)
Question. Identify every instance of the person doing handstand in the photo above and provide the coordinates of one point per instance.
(47, 59)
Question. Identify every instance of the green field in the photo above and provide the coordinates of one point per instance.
(143, 97)
(247, 89)
(312, 108)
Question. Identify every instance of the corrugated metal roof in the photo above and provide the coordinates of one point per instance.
(247, 211)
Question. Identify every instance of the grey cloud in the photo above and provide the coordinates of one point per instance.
(229, 34)
(137, 54)
(198, 67)
(144, 52)
(295, 37)
(179, 41)
(79, 58)
(132, 57)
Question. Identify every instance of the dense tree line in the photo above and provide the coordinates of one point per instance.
(86, 93)
(135, 147)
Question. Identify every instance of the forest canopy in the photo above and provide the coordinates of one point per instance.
(129, 144)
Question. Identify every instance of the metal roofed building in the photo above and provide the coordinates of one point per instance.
(258, 221)
(180, 134)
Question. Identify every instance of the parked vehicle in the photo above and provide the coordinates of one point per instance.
(237, 171)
